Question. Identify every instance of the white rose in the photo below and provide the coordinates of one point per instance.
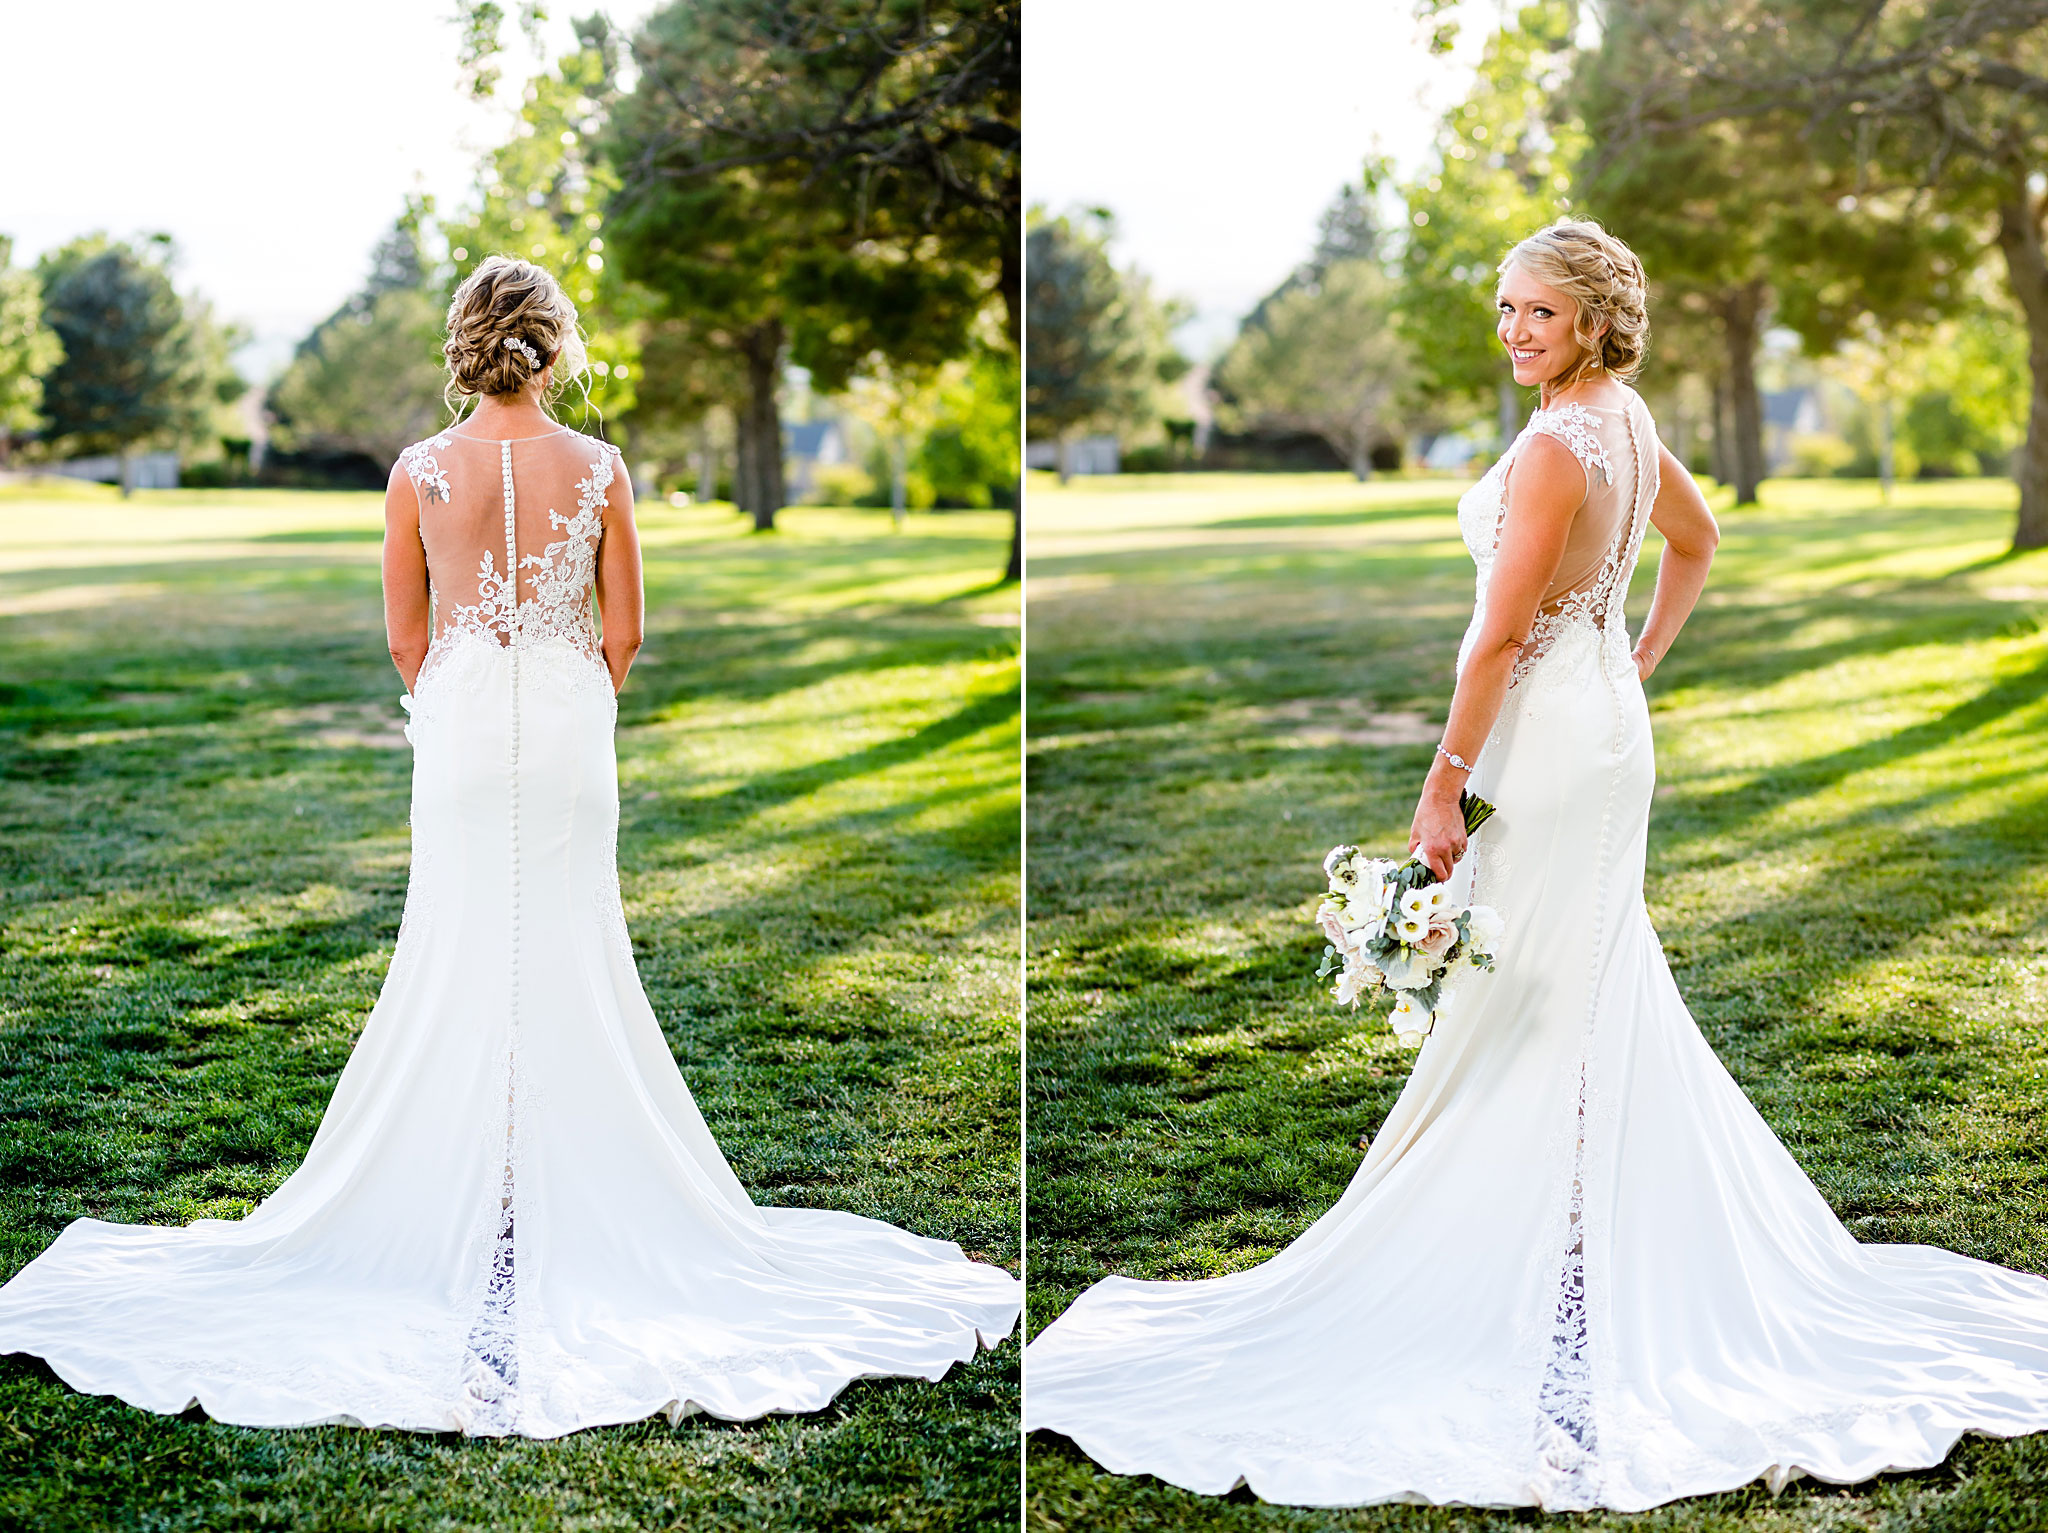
(1406, 970)
(1483, 927)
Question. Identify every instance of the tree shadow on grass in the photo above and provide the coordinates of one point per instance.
(712, 815)
(1817, 774)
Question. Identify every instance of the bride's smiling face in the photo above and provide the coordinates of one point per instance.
(1536, 327)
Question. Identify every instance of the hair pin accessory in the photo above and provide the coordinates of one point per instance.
(523, 349)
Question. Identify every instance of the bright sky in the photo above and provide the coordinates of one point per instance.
(1217, 131)
(275, 140)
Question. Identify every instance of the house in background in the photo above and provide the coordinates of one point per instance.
(1789, 413)
(1085, 455)
(808, 447)
(146, 470)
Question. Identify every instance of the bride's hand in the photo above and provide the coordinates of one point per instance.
(1437, 834)
(1646, 663)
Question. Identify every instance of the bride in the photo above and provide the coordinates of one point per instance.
(513, 1219)
(1576, 1269)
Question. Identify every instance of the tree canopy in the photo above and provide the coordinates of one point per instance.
(1925, 116)
(1100, 343)
(823, 181)
(370, 377)
(1323, 352)
(28, 347)
(140, 364)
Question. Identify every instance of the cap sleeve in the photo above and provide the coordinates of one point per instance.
(1575, 426)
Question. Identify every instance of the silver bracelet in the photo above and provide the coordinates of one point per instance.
(1454, 759)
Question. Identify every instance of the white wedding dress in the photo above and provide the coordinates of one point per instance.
(513, 1219)
(1576, 1269)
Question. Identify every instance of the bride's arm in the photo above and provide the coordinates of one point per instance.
(1690, 538)
(621, 602)
(405, 577)
(1544, 494)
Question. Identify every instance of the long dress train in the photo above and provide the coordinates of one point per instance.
(512, 1219)
(1576, 1268)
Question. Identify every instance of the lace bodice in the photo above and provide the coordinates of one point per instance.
(1617, 447)
(505, 564)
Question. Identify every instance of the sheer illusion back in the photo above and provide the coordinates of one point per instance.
(1616, 447)
(489, 509)
(513, 1218)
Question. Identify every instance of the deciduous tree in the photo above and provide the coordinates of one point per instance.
(819, 181)
(28, 348)
(140, 364)
(1100, 343)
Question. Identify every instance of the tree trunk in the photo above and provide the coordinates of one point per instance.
(1065, 459)
(1887, 457)
(1741, 316)
(1510, 411)
(1361, 462)
(1721, 462)
(1011, 282)
(707, 464)
(899, 479)
(757, 477)
(2026, 267)
(127, 472)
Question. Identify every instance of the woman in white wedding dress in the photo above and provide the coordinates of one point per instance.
(1575, 1269)
(513, 1219)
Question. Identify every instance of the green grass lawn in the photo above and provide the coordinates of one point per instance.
(1848, 864)
(203, 851)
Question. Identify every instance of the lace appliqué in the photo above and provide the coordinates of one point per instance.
(1596, 608)
(1573, 425)
(564, 571)
(424, 469)
(560, 581)
(611, 906)
(494, 614)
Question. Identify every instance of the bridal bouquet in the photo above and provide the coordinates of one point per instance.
(1393, 926)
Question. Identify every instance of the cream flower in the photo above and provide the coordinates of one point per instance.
(1351, 984)
(1408, 970)
(1339, 868)
(1410, 1021)
(1483, 927)
(1367, 908)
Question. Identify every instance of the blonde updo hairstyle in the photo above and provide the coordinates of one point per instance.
(508, 321)
(1603, 277)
